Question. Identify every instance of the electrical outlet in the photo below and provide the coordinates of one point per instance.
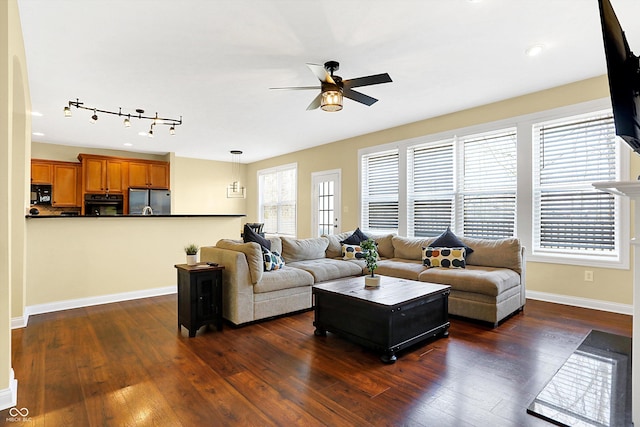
(588, 276)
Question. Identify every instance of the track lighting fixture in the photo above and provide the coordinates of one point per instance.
(156, 120)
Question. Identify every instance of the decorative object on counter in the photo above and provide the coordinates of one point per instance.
(155, 120)
(192, 253)
(34, 211)
(235, 189)
(370, 252)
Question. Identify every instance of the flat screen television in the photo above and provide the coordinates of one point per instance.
(623, 69)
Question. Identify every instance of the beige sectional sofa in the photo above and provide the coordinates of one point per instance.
(490, 288)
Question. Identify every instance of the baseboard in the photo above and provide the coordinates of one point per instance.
(9, 396)
(594, 304)
(21, 322)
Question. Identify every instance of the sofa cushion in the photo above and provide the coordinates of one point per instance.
(355, 238)
(328, 269)
(449, 240)
(272, 260)
(398, 267)
(385, 245)
(249, 235)
(495, 253)
(334, 249)
(276, 244)
(409, 248)
(443, 257)
(303, 249)
(285, 278)
(252, 252)
(482, 280)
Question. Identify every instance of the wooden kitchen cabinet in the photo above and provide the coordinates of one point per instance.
(41, 172)
(102, 175)
(148, 174)
(66, 185)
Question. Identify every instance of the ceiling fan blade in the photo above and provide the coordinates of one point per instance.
(315, 103)
(295, 88)
(375, 79)
(359, 97)
(321, 73)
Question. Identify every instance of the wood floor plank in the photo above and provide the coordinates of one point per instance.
(128, 364)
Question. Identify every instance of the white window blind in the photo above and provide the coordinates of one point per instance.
(380, 191)
(430, 185)
(489, 182)
(278, 190)
(570, 216)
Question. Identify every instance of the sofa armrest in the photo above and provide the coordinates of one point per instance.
(237, 289)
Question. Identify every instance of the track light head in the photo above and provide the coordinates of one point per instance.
(67, 111)
(94, 118)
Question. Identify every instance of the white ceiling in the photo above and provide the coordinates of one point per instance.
(213, 62)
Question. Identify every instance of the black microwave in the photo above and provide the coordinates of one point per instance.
(40, 194)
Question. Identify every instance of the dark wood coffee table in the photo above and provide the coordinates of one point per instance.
(394, 316)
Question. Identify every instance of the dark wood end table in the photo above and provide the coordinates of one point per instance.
(394, 316)
(199, 296)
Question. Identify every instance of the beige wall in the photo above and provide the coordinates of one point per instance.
(68, 153)
(89, 257)
(610, 285)
(200, 186)
(15, 125)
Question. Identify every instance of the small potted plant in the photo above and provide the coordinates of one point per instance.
(370, 252)
(192, 253)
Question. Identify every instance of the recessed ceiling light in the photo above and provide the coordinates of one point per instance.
(37, 134)
(36, 114)
(143, 133)
(534, 50)
(128, 144)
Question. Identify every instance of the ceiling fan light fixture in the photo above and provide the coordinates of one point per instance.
(331, 100)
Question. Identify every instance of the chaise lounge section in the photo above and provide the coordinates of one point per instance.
(490, 288)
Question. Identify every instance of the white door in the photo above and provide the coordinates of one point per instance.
(326, 205)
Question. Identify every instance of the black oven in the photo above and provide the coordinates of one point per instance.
(103, 204)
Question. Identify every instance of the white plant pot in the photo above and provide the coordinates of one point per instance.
(192, 259)
(371, 282)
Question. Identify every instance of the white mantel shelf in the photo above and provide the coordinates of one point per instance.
(631, 189)
(620, 188)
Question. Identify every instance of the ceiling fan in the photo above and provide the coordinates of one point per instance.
(333, 88)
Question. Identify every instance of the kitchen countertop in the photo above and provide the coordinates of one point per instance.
(141, 216)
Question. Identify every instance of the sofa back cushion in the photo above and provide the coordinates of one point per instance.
(334, 248)
(409, 248)
(276, 244)
(504, 253)
(303, 249)
(252, 251)
(385, 245)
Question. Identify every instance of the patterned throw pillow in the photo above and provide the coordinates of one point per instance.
(272, 260)
(443, 257)
(352, 252)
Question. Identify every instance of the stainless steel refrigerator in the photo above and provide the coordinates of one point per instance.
(158, 200)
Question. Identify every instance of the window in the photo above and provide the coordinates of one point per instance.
(570, 216)
(278, 190)
(467, 183)
(489, 182)
(430, 187)
(379, 196)
(528, 177)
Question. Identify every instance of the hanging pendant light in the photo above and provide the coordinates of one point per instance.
(235, 189)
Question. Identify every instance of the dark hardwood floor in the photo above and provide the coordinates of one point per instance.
(127, 364)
